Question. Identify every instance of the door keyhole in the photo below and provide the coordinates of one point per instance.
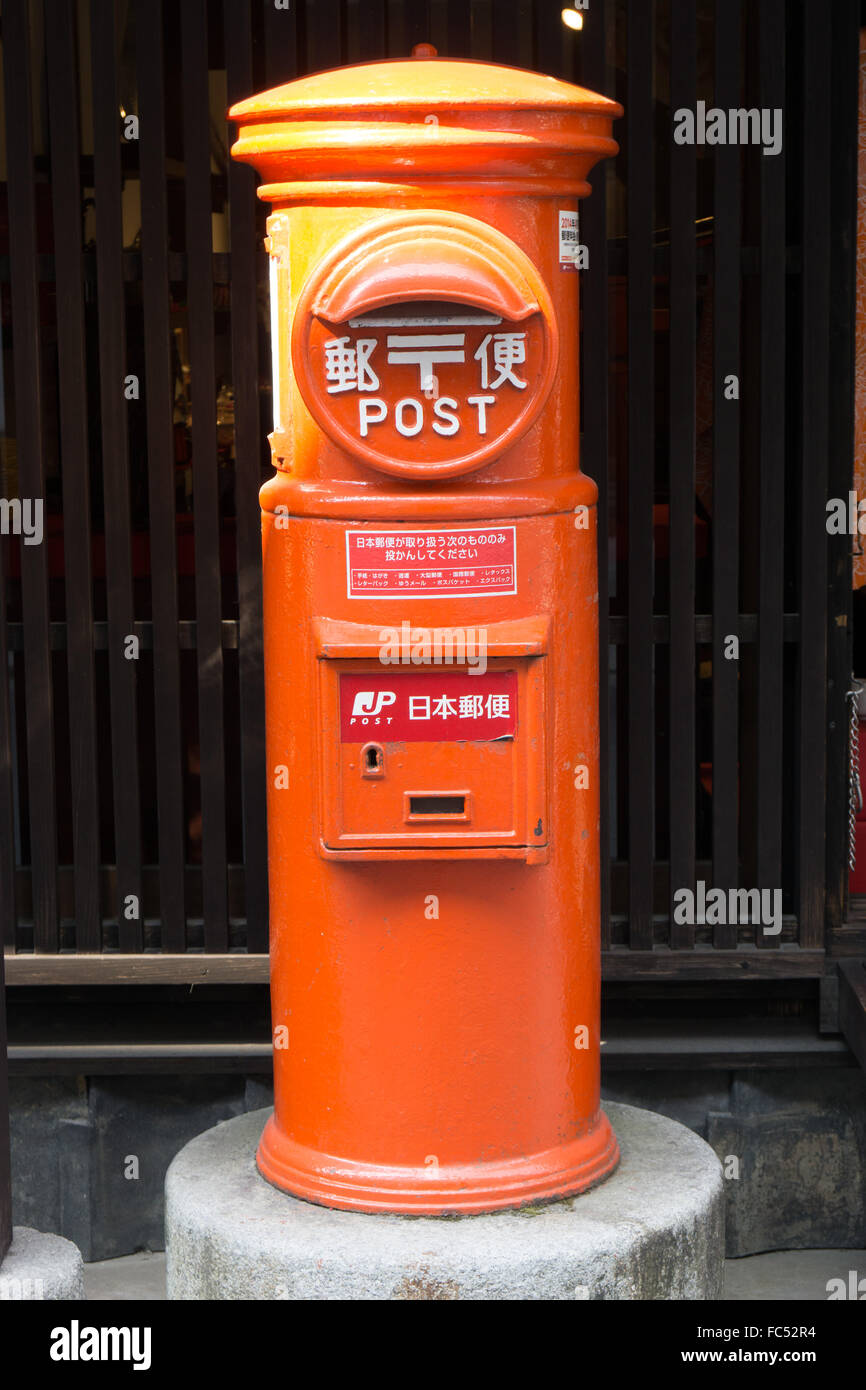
(372, 760)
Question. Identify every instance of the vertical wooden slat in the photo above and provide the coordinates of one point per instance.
(815, 311)
(8, 896)
(417, 26)
(5, 1156)
(554, 44)
(396, 29)
(459, 29)
(245, 383)
(482, 30)
(208, 587)
(60, 41)
(682, 348)
(7, 908)
(281, 44)
(161, 483)
(619, 487)
(750, 456)
(595, 369)
(8, 916)
(726, 463)
(641, 466)
(842, 212)
(512, 31)
(123, 674)
(29, 441)
(372, 31)
(324, 32)
(771, 44)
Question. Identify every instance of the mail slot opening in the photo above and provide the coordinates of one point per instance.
(437, 805)
(425, 313)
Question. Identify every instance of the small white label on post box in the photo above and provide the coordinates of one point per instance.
(569, 240)
(466, 561)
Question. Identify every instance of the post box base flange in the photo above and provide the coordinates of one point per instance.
(653, 1230)
(434, 1190)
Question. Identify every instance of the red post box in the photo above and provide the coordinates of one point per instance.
(429, 549)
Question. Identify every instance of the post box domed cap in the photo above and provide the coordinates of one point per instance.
(423, 118)
(415, 84)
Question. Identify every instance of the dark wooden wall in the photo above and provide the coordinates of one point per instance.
(142, 781)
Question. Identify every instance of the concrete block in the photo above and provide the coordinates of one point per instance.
(137, 1126)
(801, 1180)
(684, 1096)
(809, 1089)
(39, 1266)
(40, 1108)
(259, 1093)
(652, 1230)
(89, 1157)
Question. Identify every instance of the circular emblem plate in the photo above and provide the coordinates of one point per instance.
(425, 345)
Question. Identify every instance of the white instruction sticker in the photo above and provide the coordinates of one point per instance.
(569, 240)
(466, 560)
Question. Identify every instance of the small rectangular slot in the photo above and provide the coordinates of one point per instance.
(424, 313)
(437, 805)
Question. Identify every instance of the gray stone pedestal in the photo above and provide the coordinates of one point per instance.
(39, 1266)
(653, 1230)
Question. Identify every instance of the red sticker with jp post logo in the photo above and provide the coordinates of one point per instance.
(427, 706)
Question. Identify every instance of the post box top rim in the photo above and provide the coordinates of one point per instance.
(421, 84)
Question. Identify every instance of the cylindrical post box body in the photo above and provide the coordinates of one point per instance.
(431, 640)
